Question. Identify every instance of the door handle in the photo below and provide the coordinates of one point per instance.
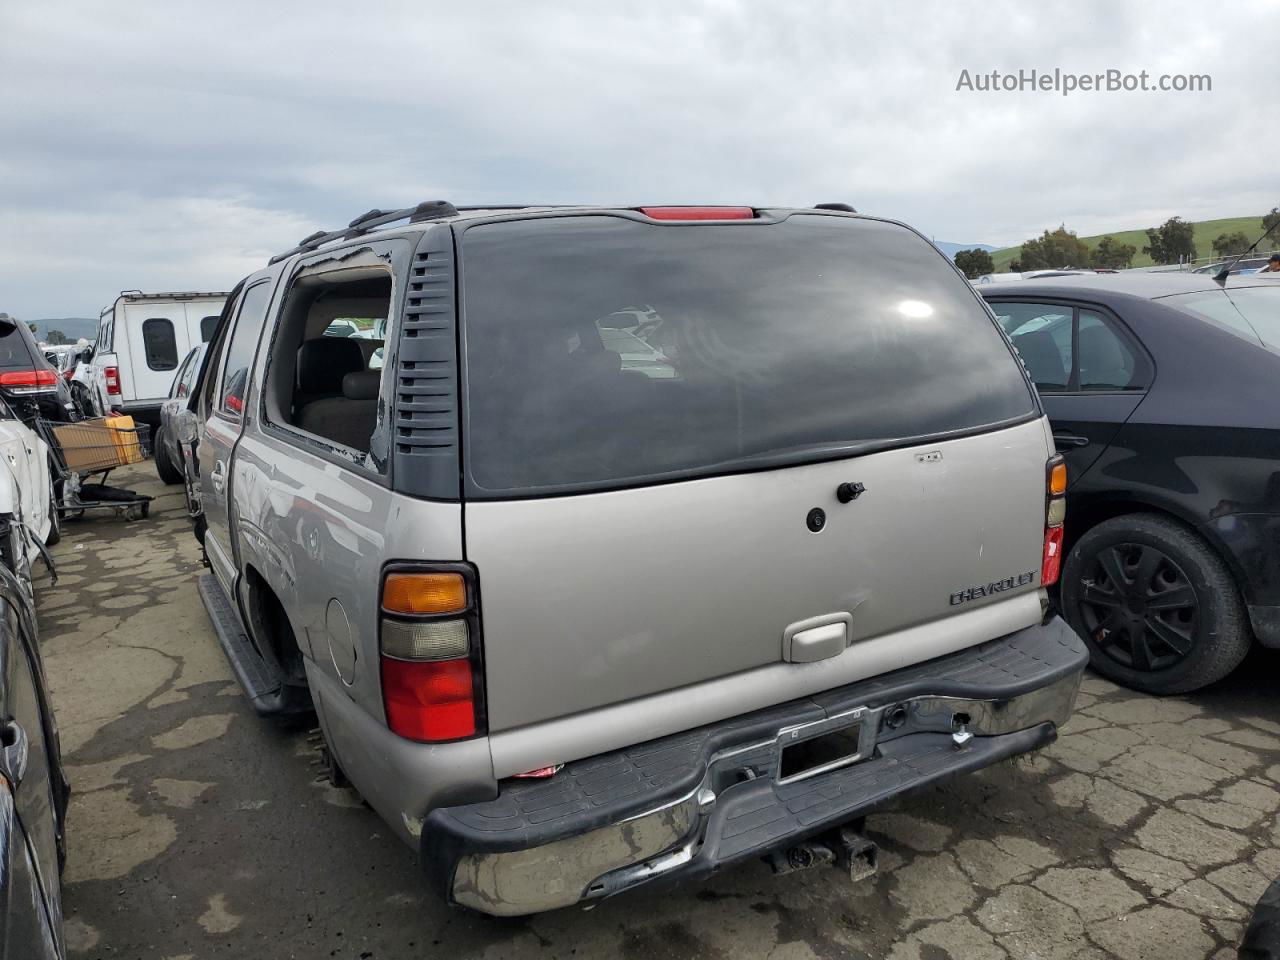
(1067, 440)
(218, 476)
(13, 751)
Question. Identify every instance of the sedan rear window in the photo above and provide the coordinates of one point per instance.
(13, 349)
(1251, 311)
(601, 351)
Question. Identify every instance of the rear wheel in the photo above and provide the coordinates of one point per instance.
(165, 466)
(1157, 607)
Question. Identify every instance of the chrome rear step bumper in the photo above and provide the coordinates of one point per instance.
(684, 806)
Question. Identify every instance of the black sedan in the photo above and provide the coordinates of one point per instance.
(1162, 394)
(33, 790)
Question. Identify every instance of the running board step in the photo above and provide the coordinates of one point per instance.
(265, 692)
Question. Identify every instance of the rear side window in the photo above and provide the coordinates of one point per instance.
(601, 351)
(207, 326)
(1070, 349)
(159, 344)
(1043, 336)
(243, 345)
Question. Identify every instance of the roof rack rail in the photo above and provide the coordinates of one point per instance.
(427, 210)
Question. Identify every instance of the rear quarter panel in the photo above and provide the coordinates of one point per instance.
(1204, 446)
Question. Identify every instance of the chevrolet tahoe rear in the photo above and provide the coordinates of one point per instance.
(690, 534)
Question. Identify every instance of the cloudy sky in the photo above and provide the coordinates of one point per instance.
(177, 145)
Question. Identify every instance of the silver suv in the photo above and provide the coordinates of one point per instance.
(646, 540)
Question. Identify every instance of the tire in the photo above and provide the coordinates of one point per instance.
(1158, 609)
(164, 466)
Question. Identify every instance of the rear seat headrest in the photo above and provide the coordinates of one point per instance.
(323, 362)
(361, 385)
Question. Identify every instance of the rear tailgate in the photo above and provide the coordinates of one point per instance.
(640, 500)
(589, 600)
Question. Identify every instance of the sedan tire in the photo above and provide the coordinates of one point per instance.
(169, 473)
(1157, 607)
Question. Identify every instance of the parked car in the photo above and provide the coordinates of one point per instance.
(73, 363)
(1247, 265)
(703, 608)
(27, 380)
(33, 790)
(28, 498)
(141, 338)
(169, 454)
(1161, 391)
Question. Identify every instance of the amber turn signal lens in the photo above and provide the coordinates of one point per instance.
(424, 593)
(1058, 479)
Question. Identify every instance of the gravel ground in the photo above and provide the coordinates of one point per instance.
(198, 830)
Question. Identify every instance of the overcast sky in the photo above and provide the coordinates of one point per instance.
(177, 145)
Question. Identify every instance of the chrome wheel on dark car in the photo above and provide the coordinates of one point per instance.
(1155, 604)
(1139, 607)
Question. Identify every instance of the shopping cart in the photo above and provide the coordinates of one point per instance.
(85, 453)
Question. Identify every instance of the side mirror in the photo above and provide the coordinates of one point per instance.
(185, 426)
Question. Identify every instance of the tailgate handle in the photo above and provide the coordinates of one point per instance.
(817, 638)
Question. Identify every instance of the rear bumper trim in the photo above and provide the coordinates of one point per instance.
(686, 805)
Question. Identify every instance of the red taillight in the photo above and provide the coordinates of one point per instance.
(1055, 513)
(429, 700)
(28, 378)
(1052, 565)
(429, 639)
(112, 376)
(234, 403)
(698, 213)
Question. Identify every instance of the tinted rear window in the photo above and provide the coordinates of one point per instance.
(602, 351)
(13, 349)
(1251, 311)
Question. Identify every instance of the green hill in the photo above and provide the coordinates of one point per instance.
(1206, 232)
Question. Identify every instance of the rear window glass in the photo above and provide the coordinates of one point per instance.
(1251, 311)
(158, 344)
(13, 349)
(602, 351)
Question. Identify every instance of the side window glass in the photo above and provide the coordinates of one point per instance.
(241, 348)
(1106, 361)
(1041, 333)
(207, 326)
(159, 343)
(176, 389)
(325, 375)
(182, 384)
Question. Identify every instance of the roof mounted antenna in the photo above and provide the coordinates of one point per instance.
(842, 207)
(1220, 278)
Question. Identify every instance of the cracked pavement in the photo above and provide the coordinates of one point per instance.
(198, 830)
